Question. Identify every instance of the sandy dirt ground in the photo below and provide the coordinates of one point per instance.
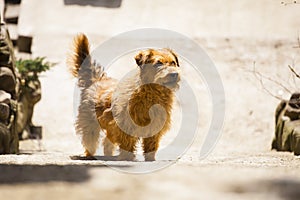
(241, 166)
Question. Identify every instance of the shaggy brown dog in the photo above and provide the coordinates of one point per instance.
(139, 108)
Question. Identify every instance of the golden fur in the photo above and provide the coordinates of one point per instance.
(136, 99)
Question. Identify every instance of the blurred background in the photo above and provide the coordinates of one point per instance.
(236, 34)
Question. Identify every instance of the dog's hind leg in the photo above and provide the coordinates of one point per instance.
(108, 145)
(150, 146)
(88, 128)
(90, 142)
(90, 139)
(127, 144)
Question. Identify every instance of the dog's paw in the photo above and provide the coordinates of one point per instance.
(126, 157)
(89, 156)
(149, 157)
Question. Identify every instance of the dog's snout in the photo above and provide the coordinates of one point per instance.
(173, 75)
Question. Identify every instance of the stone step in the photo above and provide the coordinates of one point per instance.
(12, 13)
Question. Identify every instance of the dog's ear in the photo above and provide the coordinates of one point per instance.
(175, 56)
(143, 57)
(139, 59)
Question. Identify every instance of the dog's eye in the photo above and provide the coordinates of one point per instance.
(158, 64)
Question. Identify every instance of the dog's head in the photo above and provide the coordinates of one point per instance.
(159, 66)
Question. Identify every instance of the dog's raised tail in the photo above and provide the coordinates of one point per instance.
(80, 56)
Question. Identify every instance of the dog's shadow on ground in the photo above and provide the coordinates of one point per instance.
(91, 158)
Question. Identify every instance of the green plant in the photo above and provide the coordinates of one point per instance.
(30, 68)
(33, 67)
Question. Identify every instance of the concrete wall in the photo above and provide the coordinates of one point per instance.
(244, 18)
